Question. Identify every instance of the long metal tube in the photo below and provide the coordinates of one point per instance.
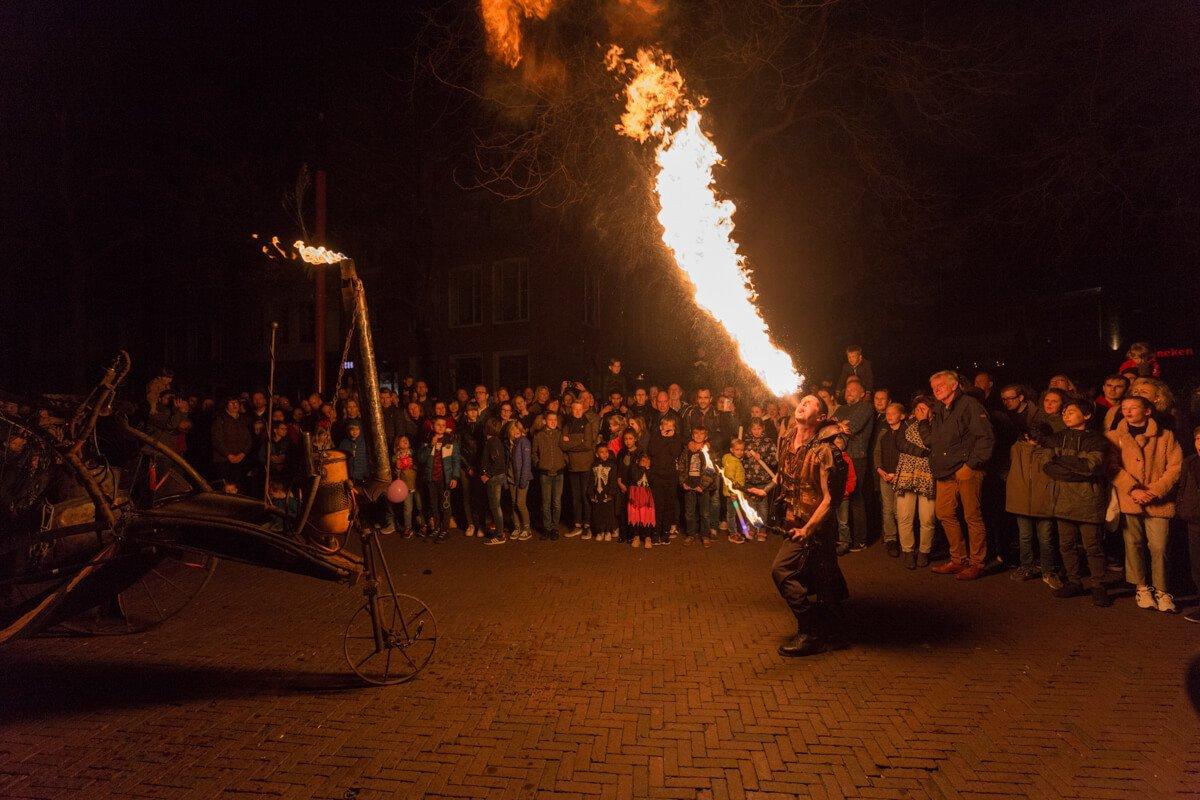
(354, 297)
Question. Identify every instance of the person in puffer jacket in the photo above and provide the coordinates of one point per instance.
(1075, 465)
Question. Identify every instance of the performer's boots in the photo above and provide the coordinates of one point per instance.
(807, 640)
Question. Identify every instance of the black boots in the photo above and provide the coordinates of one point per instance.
(819, 630)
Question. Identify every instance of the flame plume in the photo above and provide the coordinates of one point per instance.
(502, 22)
(317, 255)
(697, 227)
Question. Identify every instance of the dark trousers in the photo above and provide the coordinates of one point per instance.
(666, 505)
(474, 500)
(852, 516)
(809, 568)
(1070, 535)
(438, 503)
(1193, 530)
(577, 483)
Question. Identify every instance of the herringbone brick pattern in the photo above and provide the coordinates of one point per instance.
(587, 670)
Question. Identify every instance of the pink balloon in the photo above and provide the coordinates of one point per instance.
(397, 491)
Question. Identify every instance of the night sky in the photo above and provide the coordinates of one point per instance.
(143, 142)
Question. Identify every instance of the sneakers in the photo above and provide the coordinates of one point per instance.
(501, 539)
(1052, 580)
(1069, 589)
(1024, 574)
(910, 559)
(687, 541)
(724, 525)
(637, 542)
(649, 543)
(673, 532)
(893, 548)
(842, 549)
(762, 536)
(736, 538)
(526, 535)
(922, 560)
(707, 542)
(453, 523)
(389, 528)
(1166, 603)
(470, 531)
(1100, 596)
(858, 547)
(407, 533)
(576, 531)
(1145, 597)
(1193, 615)
(587, 534)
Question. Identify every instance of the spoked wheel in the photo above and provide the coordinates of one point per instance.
(407, 637)
(172, 580)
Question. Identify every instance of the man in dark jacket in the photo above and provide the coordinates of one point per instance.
(231, 442)
(856, 418)
(960, 445)
(550, 462)
(856, 367)
(469, 432)
(579, 441)
(705, 415)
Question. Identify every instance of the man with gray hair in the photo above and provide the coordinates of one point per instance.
(960, 445)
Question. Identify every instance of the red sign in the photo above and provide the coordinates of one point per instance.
(1176, 352)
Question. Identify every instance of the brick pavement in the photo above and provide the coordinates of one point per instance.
(587, 670)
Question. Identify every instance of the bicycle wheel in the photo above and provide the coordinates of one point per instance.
(172, 579)
(407, 638)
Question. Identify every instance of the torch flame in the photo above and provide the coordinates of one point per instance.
(697, 227)
(317, 255)
(502, 22)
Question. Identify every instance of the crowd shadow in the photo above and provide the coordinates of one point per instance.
(36, 687)
(889, 623)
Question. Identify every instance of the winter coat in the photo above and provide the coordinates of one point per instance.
(580, 442)
(1152, 461)
(887, 448)
(756, 475)
(470, 442)
(520, 462)
(548, 455)
(696, 470)
(861, 416)
(230, 437)
(863, 372)
(1187, 499)
(663, 453)
(1077, 468)
(1029, 491)
(912, 467)
(718, 424)
(494, 463)
(961, 434)
(451, 460)
(356, 458)
(735, 474)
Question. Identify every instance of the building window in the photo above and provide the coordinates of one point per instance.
(591, 296)
(466, 296)
(512, 369)
(466, 371)
(511, 279)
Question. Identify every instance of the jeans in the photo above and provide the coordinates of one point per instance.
(1069, 535)
(666, 504)
(577, 483)
(700, 511)
(552, 488)
(1141, 531)
(472, 500)
(496, 486)
(405, 510)
(910, 506)
(963, 486)
(852, 512)
(520, 508)
(887, 508)
(1026, 527)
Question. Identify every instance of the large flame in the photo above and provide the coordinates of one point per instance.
(317, 255)
(697, 227)
(502, 22)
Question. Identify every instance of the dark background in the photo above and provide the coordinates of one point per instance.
(143, 143)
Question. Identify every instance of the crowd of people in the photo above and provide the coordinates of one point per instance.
(1068, 485)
